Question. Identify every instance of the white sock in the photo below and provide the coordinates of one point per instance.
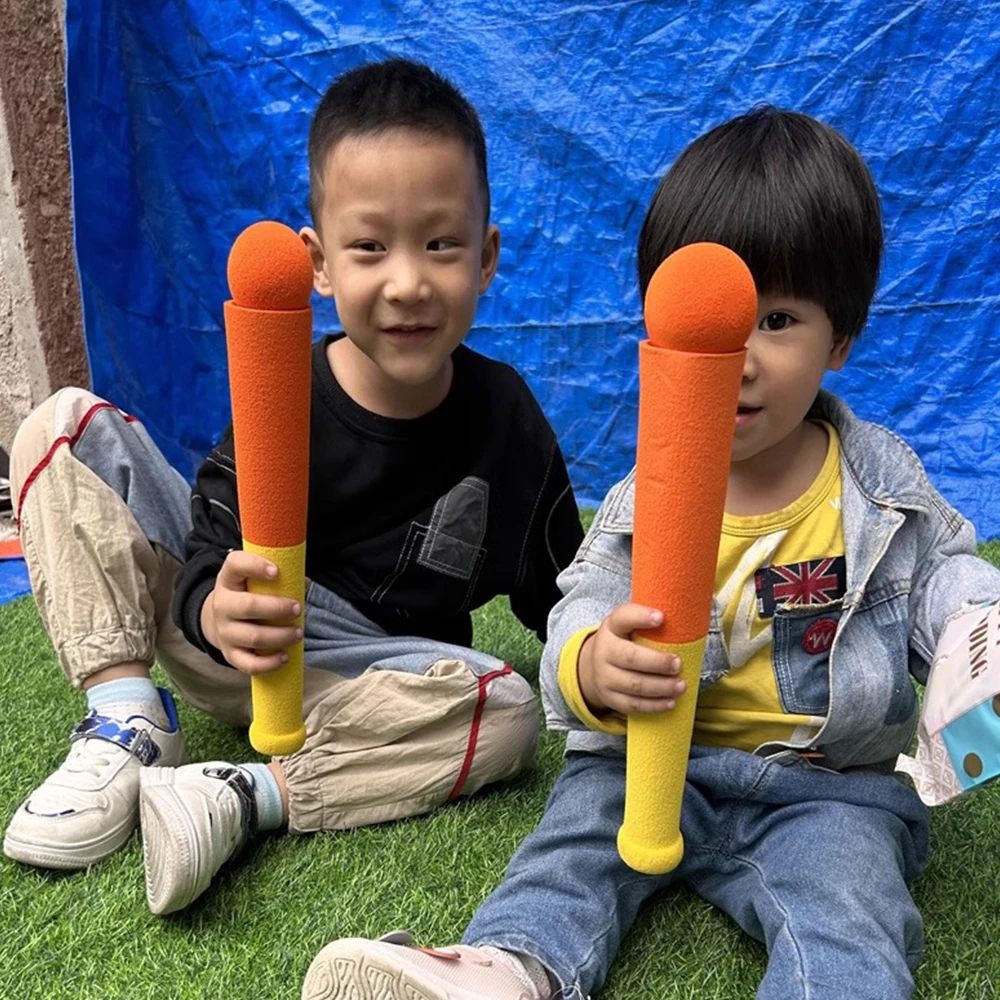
(128, 696)
(267, 794)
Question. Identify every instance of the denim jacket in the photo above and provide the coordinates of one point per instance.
(911, 564)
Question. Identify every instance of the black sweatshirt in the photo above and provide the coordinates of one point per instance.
(415, 522)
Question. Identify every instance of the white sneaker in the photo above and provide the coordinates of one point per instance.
(89, 806)
(194, 819)
(389, 969)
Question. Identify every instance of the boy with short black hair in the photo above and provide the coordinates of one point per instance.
(838, 567)
(435, 484)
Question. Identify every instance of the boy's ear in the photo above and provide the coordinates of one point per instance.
(321, 281)
(839, 353)
(490, 258)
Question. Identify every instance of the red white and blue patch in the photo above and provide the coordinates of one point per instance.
(814, 583)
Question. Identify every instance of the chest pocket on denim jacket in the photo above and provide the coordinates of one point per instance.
(801, 643)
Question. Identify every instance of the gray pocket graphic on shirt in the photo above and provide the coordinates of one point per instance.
(454, 538)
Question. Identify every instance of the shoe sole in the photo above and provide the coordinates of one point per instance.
(354, 970)
(169, 844)
(72, 858)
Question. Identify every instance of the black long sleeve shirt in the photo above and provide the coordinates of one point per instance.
(415, 522)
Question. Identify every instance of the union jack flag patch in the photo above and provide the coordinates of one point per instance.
(811, 584)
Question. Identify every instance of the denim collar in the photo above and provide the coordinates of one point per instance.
(881, 465)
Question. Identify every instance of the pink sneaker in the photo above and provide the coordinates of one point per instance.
(391, 969)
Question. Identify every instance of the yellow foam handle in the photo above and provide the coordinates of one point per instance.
(650, 839)
(277, 726)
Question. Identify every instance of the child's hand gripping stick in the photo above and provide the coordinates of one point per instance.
(268, 336)
(700, 309)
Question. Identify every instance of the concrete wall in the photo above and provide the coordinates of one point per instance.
(41, 330)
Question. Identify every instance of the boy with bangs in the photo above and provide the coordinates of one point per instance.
(435, 484)
(838, 567)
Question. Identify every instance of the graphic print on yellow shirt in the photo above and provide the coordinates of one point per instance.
(779, 587)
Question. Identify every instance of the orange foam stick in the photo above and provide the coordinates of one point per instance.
(700, 309)
(268, 339)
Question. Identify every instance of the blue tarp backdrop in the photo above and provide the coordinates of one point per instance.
(189, 121)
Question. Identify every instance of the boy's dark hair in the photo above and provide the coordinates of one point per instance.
(787, 193)
(379, 97)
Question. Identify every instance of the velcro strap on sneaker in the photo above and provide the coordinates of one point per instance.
(134, 739)
(240, 783)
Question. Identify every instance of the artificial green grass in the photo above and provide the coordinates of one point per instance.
(253, 934)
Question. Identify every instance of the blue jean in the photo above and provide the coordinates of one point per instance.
(813, 863)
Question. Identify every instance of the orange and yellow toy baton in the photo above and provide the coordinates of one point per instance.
(268, 336)
(700, 309)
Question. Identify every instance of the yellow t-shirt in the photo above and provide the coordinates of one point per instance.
(779, 585)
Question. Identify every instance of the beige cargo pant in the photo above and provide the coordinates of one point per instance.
(396, 726)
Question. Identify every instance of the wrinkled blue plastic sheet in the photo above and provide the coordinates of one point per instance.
(14, 580)
(189, 121)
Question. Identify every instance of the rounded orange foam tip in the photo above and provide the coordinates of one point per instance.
(270, 268)
(701, 299)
